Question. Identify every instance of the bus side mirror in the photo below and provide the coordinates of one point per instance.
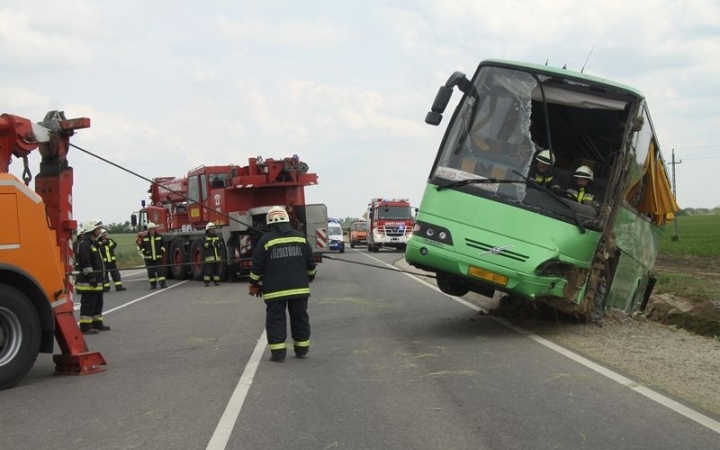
(434, 117)
(133, 220)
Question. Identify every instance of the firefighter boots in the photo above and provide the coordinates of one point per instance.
(87, 328)
(120, 288)
(277, 355)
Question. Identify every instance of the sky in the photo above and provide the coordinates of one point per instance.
(172, 85)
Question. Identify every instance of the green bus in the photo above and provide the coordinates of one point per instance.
(490, 221)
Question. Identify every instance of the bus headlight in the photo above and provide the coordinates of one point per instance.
(432, 232)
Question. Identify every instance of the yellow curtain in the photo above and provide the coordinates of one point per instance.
(657, 199)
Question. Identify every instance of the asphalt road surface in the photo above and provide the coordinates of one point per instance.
(393, 364)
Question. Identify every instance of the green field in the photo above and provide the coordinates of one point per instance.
(697, 236)
(126, 252)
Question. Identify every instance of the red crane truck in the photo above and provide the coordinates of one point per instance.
(36, 253)
(235, 199)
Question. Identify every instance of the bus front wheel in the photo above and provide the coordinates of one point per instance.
(452, 285)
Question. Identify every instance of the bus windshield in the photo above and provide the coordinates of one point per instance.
(509, 116)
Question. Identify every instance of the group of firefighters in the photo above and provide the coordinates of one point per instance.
(282, 268)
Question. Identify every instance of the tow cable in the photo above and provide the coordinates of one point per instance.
(378, 267)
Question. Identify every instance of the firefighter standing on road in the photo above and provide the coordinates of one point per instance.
(153, 253)
(212, 254)
(107, 249)
(89, 281)
(283, 261)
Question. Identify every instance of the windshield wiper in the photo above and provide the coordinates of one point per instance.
(467, 181)
(579, 224)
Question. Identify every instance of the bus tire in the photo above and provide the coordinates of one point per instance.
(19, 336)
(452, 285)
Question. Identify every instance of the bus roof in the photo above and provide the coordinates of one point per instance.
(563, 73)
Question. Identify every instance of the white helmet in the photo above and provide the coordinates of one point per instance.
(103, 232)
(584, 172)
(545, 157)
(81, 229)
(209, 226)
(92, 225)
(151, 225)
(277, 214)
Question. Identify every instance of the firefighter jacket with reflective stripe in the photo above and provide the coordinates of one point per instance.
(90, 265)
(152, 247)
(545, 179)
(283, 261)
(107, 249)
(211, 247)
(584, 195)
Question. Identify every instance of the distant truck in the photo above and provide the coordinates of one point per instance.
(358, 233)
(390, 223)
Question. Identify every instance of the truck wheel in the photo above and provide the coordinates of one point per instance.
(19, 336)
(196, 260)
(178, 260)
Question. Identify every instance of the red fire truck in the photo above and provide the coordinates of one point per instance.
(235, 199)
(390, 223)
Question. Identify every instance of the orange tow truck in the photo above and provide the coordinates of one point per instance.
(36, 254)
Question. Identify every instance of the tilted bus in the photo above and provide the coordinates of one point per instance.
(485, 226)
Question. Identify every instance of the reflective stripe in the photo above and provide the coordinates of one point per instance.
(254, 277)
(85, 319)
(287, 240)
(280, 346)
(285, 293)
(9, 246)
(311, 272)
(302, 344)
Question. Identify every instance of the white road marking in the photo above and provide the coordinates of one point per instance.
(679, 408)
(76, 306)
(225, 426)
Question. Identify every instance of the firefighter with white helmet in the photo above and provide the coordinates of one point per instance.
(542, 169)
(153, 252)
(88, 282)
(583, 189)
(107, 250)
(283, 262)
(212, 252)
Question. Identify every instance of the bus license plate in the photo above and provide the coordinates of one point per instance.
(487, 275)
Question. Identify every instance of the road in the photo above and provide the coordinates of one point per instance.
(394, 364)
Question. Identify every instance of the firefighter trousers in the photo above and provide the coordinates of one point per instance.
(91, 307)
(111, 271)
(155, 273)
(211, 271)
(276, 324)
